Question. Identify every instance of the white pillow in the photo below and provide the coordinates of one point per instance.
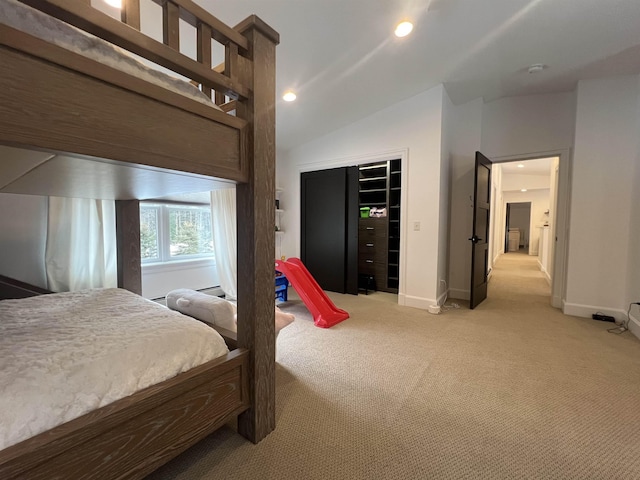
(207, 308)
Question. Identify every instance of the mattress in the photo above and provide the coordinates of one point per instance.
(65, 354)
(29, 20)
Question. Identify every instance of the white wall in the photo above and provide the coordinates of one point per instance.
(514, 181)
(23, 237)
(464, 124)
(602, 197)
(444, 225)
(413, 126)
(633, 276)
(158, 280)
(528, 125)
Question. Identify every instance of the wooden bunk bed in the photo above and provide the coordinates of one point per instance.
(122, 133)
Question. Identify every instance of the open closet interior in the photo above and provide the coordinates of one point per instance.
(350, 226)
(379, 225)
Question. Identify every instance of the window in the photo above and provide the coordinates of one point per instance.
(173, 232)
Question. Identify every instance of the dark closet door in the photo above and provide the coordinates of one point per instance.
(325, 233)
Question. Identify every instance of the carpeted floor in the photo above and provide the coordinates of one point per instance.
(510, 390)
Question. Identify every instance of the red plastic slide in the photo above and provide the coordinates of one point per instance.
(325, 313)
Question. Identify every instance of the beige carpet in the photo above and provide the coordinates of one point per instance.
(510, 390)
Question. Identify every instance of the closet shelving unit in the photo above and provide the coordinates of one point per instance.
(379, 238)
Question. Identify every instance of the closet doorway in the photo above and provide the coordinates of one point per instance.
(517, 229)
(333, 197)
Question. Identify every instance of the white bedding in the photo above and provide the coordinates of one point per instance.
(29, 20)
(65, 354)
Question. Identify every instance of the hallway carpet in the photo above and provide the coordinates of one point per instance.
(511, 390)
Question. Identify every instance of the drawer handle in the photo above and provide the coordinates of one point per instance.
(369, 261)
(370, 228)
(369, 244)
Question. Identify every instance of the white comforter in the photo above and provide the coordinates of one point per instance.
(66, 354)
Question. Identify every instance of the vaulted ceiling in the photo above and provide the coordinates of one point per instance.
(344, 62)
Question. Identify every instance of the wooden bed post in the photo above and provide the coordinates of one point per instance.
(256, 232)
(128, 245)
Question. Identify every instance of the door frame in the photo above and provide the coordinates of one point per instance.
(403, 155)
(562, 220)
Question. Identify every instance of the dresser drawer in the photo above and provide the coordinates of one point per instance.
(372, 227)
(371, 245)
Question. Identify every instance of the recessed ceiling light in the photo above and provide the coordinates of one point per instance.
(403, 29)
(520, 165)
(114, 3)
(536, 67)
(523, 189)
(289, 96)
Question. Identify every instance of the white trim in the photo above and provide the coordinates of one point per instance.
(634, 325)
(403, 155)
(415, 302)
(562, 224)
(578, 310)
(619, 314)
(460, 294)
(175, 265)
(355, 160)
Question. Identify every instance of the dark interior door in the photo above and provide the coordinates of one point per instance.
(480, 237)
(324, 228)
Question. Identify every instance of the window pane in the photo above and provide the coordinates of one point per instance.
(149, 233)
(190, 231)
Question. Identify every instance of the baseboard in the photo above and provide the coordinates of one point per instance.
(459, 294)
(586, 311)
(443, 298)
(634, 325)
(415, 302)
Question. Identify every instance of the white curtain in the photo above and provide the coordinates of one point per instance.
(81, 244)
(223, 224)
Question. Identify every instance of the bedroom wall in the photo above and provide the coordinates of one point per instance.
(602, 198)
(413, 126)
(465, 124)
(23, 237)
(445, 198)
(633, 277)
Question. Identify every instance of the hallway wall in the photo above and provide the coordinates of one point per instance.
(604, 167)
(534, 126)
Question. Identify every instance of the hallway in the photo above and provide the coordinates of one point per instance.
(516, 277)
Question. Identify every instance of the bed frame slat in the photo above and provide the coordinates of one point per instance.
(101, 25)
(171, 25)
(130, 13)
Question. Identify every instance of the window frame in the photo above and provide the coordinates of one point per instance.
(164, 257)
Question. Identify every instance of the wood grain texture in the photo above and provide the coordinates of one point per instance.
(171, 25)
(131, 437)
(49, 107)
(193, 14)
(128, 245)
(11, 288)
(113, 31)
(256, 237)
(203, 45)
(130, 13)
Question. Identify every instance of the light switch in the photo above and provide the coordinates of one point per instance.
(416, 226)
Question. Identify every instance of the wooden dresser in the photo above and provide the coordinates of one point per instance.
(372, 249)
